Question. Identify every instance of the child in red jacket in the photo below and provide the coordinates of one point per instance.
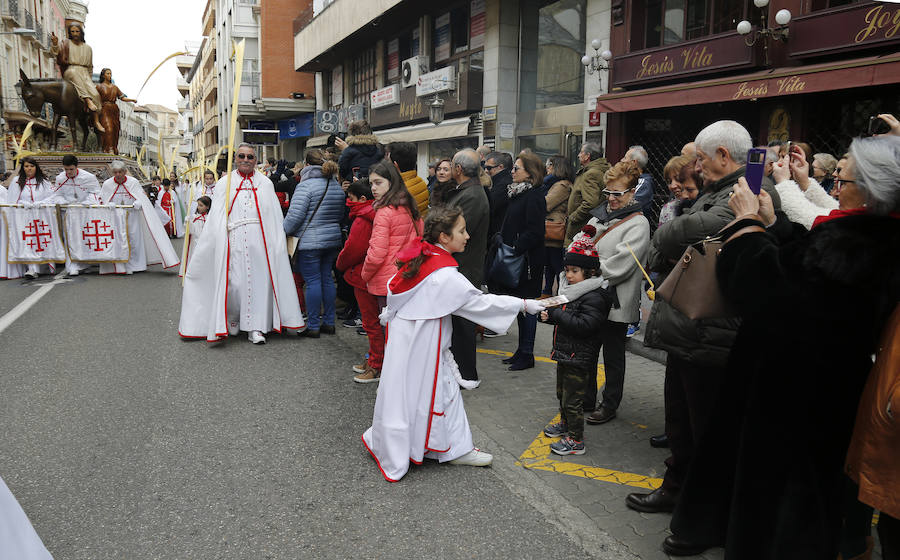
(350, 261)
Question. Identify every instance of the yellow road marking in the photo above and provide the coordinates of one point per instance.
(539, 457)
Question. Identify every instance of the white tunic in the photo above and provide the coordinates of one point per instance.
(419, 410)
(81, 189)
(18, 538)
(239, 276)
(148, 239)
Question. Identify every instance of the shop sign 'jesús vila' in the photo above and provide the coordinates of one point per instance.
(693, 57)
(855, 27)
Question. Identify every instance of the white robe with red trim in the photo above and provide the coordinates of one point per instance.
(81, 189)
(239, 278)
(419, 410)
(148, 239)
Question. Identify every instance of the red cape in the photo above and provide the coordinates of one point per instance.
(435, 259)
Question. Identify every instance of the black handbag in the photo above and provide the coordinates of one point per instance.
(506, 268)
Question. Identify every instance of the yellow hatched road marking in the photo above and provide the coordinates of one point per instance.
(538, 456)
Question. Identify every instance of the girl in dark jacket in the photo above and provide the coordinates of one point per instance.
(576, 341)
(523, 229)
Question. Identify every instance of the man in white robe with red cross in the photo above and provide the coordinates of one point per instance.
(74, 186)
(147, 238)
(239, 277)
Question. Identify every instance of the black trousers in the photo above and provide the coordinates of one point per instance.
(690, 394)
(889, 535)
(462, 344)
(612, 335)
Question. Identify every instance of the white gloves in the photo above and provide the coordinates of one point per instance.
(27, 204)
(532, 306)
(137, 204)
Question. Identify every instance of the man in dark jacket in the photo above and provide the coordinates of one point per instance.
(696, 360)
(587, 192)
(645, 189)
(362, 151)
(499, 166)
(469, 195)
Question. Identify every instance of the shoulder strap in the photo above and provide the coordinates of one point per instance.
(620, 222)
(309, 223)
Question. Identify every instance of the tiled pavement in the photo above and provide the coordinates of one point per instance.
(512, 408)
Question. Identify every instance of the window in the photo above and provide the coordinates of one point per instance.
(667, 22)
(825, 4)
(363, 76)
(553, 41)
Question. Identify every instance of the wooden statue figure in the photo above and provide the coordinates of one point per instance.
(75, 59)
(109, 111)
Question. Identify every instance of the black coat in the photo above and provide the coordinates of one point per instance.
(476, 210)
(767, 475)
(363, 152)
(576, 337)
(523, 229)
(499, 199)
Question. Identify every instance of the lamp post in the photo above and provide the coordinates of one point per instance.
(598, 61)
(16, 31)
(751, 35)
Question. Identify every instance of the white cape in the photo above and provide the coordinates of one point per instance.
(418, 410)
(157, 245)
(204, 299)
(177, 217)
(30, 193)
(18, 538)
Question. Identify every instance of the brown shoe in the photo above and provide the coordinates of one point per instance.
(371, 375)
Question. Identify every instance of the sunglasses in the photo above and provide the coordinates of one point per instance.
(251, 157)
(490, 167)
(616, 194)
(516, 168)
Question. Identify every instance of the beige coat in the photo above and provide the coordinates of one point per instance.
(557, 206)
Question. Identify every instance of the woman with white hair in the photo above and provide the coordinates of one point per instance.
(767, 479)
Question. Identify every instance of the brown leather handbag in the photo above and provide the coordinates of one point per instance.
(554, 231)
(692, 287)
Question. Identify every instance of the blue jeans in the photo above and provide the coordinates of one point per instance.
(315, 266)
(527, 328)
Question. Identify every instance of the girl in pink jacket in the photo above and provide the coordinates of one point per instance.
(396, 224)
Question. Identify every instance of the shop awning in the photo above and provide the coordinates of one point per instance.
(451, 128)
(776, 82)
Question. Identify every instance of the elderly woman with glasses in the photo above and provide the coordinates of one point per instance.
(621, 235)
(768, 476)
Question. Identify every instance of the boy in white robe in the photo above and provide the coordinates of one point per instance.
(146, 235)
(239, 276)
(18, 538)
(74, 186)
(418, 410)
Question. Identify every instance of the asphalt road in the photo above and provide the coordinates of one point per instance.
(122, 441)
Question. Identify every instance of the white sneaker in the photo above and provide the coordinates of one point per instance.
(256, 337)
(474, 458)
(31, 275)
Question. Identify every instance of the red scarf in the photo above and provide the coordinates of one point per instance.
(435, 258)
(838, 213)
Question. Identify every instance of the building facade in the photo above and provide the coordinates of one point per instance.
(268, 81)
(185, 63)
(679, 65)
(509, 72)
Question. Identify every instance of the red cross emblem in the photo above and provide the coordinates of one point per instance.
(97, 234)
(39, 233)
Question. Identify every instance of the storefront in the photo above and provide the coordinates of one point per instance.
(398, 114)
(838, 67)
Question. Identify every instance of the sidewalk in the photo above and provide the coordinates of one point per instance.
(512, 408)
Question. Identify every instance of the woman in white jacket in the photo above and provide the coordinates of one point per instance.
(802, 198)
(622, 238)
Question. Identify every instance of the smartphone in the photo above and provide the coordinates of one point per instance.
(756, 168)
(877, 126)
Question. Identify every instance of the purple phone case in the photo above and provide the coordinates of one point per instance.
(756, 168)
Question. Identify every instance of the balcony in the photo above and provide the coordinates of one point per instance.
(183, 87)
(11, 10)
(211, 121)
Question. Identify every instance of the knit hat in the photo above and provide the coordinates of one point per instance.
(582, 252)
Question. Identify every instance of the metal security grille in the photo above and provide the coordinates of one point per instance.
(661, 146)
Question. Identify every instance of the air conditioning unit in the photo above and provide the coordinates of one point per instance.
(411, 68)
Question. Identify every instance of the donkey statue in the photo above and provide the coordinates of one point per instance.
(64, 99)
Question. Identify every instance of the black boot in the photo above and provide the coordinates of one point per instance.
(657, 501)
(511, 359)
(662, 440)
(524, 361)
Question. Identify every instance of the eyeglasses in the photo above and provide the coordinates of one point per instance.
(516, 168)
(616, 194)
(490, 167)
(251, 157)
(839, 183)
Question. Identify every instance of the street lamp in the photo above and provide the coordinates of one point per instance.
(751, 36)
(598, 61)
(436, 110)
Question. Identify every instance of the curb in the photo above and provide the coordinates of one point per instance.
(636, 346)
